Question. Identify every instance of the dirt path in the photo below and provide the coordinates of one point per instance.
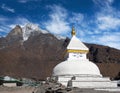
(17, 90)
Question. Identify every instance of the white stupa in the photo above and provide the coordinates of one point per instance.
(78, 70)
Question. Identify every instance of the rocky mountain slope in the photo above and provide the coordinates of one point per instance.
(32, 53)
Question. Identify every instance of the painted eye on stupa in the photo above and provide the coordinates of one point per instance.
(74, 55)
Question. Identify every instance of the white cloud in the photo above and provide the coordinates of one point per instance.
(25, 1)
(108, 17)
(107, 39)
(103, 3)
(4, 29)
(76, 18)
(12, 26)
(57, 23)
(6, 8)
(21, 20)
(18, 21)
(110, 1)
(110, 39)
(2, 18)
(113, 45)
(114, 37)
(6, 24)
(108, 22)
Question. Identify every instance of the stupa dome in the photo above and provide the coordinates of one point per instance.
(74, 68)
(77, 70)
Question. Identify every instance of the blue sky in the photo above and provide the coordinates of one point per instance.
(95, 21)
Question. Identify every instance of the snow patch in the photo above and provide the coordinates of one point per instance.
(34, 29)
(60, 37)
(31, 28)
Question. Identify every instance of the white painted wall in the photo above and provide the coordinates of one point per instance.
(76, 56)
(9, 84)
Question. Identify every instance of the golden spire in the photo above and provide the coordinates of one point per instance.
(73, 31)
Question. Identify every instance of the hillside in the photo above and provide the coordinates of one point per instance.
(35, 55)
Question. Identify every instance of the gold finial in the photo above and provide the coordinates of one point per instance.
(73, 31)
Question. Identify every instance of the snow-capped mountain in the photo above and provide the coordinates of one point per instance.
(33, 29)
(30, 28)
(20, 34)
(36, 57)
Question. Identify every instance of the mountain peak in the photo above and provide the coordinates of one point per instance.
(31, 28)
(17, 27)
(15, 33)
(28, 30)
